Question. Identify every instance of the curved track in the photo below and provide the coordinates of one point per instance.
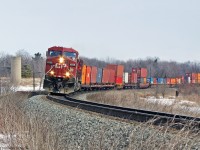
(156, 118)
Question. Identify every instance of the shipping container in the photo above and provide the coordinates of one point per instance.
(173, 81)
(88, 75)
(99, 75)
(134, 78)
(105, 76)
(143, 80)
(83, 77)
(168, 80)
(198, 77)
(111, 76)
(154, 80)
(119, 80)
(150, 80)
(125, 77)
(112, 66)
(194, 76)
(141, 72)
(189, 79)
(164, 81)
(160, 81)
(120, 70)
(94, 75)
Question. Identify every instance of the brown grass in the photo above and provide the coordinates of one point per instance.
(136, 99)
(22, 132)
(36, 134)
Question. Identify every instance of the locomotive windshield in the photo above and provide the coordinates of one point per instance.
(71, 55)
(55, 53)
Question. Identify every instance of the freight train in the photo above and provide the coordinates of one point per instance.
(65, 71)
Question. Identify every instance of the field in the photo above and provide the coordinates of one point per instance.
(155, 99)
(43, 129)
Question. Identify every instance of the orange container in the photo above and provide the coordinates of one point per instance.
(83, 77)
(94, 75)
(134, 77)
(111, 76)
(105, 76)
(88, 75)
(172, 80)
(120, 71)
(194, 76)
(155, 81)
(168, 80)
(198, 77)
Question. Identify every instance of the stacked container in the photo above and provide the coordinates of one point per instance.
(160, 81)
(132, 78)
(111, 76)
(168, 80)
(198, 77)
(119, 70)
(99, 75)
(194, 77)
(94, 75)
(88, 75)
(141, 72)
(172, 81)
(126, 77)
(105, 76)
(154, 80)
(83, 77)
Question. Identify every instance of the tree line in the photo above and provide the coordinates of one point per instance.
(156, 67)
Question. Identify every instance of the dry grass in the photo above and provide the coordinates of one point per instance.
(137, 99)
(36, 134)
(22, 132)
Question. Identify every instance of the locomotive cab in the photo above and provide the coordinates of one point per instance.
(63, 69)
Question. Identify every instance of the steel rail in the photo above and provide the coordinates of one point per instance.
(156, 118)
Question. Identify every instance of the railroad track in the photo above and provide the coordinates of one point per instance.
(156, 118)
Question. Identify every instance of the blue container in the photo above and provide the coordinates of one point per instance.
(150, 80)
(165, 81)
(99, 75)
(160, 80)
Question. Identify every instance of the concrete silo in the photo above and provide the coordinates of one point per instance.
(16, 70)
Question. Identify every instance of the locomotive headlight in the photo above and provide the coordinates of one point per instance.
(61, 60)
(52, 72)
(67, 74)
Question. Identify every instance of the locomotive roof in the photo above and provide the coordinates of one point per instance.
(63, 49)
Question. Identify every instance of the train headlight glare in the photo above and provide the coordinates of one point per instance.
(61, 60)
(67, 74)
(52, 72)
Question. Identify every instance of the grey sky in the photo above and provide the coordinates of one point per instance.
(118, 29)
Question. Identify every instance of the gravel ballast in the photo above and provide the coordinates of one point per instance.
(78, 129)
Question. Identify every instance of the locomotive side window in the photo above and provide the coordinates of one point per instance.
(55, 53)
(71, 55)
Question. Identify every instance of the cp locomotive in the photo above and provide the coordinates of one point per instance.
(63, 69)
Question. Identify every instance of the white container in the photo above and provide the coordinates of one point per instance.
(126, 77)
(189, 80)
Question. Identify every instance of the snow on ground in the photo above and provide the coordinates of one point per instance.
(182, 104)
(27, 88)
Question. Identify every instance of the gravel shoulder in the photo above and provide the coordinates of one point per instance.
(81, 130)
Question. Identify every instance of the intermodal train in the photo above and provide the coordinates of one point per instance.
(65, 71)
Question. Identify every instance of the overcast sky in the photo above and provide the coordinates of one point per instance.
(128, 29)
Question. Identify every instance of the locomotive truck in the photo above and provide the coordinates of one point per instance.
(63, 70)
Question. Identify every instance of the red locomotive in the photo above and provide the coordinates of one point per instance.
(63, 69)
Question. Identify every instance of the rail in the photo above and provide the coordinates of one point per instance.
(156, 118)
